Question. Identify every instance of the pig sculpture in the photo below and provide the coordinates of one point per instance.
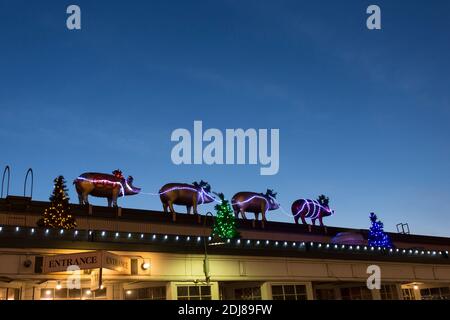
(256, 203)
(109, 186)
(189, 195)
(313, 209)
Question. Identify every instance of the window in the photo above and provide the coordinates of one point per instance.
(325, 294)
(408, 294)
(435, 293)
(47, 294)
(87, 294)
(356, 293)
(9, 294)
(61, 294)
(194, 292)
(100, 294)
(72, 294)
(388, 292)
(289, 292)
(253, 293)
(151, 293)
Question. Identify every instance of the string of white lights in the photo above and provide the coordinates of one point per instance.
(255, 243)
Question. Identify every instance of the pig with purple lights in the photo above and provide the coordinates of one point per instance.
(312, 209)
(253, 202)
(183, 194)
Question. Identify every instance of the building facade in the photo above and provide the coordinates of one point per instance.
(120, 254)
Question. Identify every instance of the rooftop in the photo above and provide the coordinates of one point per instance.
(133, 229)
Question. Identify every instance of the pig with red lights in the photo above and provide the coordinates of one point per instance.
(102, 185)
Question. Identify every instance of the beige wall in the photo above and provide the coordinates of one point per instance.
(189, 267)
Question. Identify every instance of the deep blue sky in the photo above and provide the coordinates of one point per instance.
(363, 115)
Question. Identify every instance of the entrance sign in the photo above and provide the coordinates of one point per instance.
(115, 262)
(60, 263)
(86, 261)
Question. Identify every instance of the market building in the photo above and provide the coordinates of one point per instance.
(139, 254)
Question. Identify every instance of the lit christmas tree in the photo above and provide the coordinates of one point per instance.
(225, 222)
(58, 215)
(377, 237)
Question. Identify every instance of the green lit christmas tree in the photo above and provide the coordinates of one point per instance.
(225, 222)
(57, 215)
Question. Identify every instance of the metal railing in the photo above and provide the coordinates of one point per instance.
(29, 172)
(6, 171)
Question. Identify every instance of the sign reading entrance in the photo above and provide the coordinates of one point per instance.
(60, 263)
(87, 260)
(117, 263)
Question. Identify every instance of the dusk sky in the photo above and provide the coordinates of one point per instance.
(363, 115)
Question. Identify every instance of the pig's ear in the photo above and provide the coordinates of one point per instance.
(271, 193)
(220, 195)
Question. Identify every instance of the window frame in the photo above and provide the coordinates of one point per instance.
(307, 291)
(253, 296)
(362, 293)
(151, 288)
(190, 296)
(8, 290)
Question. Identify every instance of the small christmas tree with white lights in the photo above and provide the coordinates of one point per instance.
(57, 215)
(377, 236)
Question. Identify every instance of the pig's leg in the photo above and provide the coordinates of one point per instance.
(85, 197)
(263, 211)
(85, 190)
(243, 214)
(165, 206)
(188, 209)
(236, 213)
(303, 215)
(256, 216)
(263, 216)
(80, 199)
(320, 221)
(194, 204)
(109, 202)
(115, 195)
(171, 207)
(313, 222)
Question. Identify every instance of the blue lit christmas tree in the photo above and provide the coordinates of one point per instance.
(377, 237)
